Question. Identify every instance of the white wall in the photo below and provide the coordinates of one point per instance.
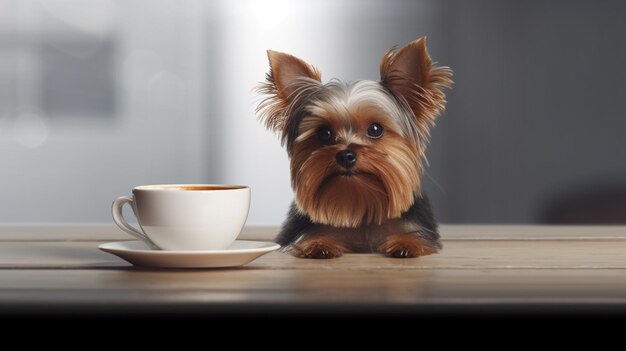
(75, 167)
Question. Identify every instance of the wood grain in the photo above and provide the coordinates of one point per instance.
(110, 232)
(475, 254)
(313, 286)
(60, 265)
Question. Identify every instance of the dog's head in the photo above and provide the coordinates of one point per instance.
(355, 148)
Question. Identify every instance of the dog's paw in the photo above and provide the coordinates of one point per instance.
(320, 248)
(406, 246)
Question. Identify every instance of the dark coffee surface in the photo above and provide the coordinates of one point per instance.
(195, 187)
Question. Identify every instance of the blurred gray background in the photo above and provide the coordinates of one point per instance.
(98, 96)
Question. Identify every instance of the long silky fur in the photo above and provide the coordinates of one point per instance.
(382, 194)
(274, 109)
(425, 98)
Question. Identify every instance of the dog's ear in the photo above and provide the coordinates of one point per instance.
(411, 75)
(288, 80)
(287, 73)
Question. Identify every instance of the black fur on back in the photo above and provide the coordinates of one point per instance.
(422, 213)
(295, 225)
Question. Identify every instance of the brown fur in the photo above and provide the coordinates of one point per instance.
(318, 247)
(411, 74)
(406, 246)
(288, 75)
(362, 206)
(330, 242)
(381, 188)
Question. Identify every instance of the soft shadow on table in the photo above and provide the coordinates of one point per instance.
(58, 255)
(222, 269)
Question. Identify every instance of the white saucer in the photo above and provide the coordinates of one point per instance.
(239, 253)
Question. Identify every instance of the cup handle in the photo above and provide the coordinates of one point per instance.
(118, 218)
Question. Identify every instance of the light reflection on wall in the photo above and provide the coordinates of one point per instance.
(30, 130)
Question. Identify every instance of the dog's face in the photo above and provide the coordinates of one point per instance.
(355, 148)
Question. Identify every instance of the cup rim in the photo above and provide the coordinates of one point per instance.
(176, 187)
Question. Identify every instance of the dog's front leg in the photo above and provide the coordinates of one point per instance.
(318, 246)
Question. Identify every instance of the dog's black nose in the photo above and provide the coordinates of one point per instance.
(346, 158)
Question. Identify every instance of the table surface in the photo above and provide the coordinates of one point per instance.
(43, 267)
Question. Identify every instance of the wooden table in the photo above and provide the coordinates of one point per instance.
(52, 268)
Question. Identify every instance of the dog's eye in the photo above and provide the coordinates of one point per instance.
(375, 131)
(325, 135)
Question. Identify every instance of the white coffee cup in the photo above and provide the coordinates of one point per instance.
(186, 216)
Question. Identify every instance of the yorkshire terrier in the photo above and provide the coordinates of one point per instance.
(356, 152)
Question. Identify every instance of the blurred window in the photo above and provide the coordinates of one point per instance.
(58, 58)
